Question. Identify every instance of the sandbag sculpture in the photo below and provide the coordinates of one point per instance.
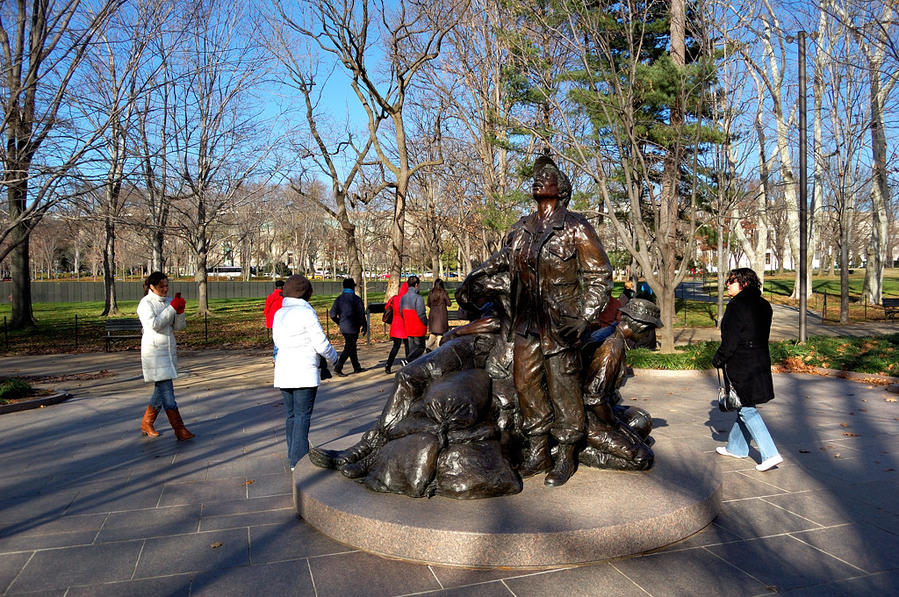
(523, 389)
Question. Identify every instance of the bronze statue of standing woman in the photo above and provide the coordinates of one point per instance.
(561, 280)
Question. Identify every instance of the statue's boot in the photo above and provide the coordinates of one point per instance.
(359, 468)
(537, 459)
(564, 466)
(337, 459)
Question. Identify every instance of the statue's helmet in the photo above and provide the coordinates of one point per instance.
(543, 162)
(643, 311)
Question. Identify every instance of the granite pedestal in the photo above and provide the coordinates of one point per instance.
(596, 516)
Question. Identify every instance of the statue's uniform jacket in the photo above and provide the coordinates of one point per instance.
(558, 272)
(560, 276)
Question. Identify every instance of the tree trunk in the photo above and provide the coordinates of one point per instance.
(22, 316)
(880, 193)
(110, 306)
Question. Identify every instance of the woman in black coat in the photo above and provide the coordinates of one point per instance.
(744, 356)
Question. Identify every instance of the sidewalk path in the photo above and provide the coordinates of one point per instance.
(89, 507)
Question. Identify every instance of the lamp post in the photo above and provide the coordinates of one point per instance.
(803, 190)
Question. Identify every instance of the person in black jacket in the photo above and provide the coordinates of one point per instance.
(349, 313)
(744, 356)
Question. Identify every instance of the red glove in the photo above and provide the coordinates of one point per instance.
(178, 304)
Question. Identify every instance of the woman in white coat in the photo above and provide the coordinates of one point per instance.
(300, 341)
(160, 316)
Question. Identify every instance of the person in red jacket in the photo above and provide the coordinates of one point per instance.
(397, 327)
(414, 318)
(273, 303)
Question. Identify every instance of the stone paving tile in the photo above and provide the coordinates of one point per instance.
(154, 522)
(296, 539)
(351, 574)
(200, 492)
(59, 568)
(31, 542)
(235, 467)
(821, 507)
(457, 577)
(270, 464)
(230, 521)
(242, 506)
(284, 579)
(10, 565)
(492, 589)
(169, 586)
(756, 518)
(885, 583)
(267, 485)
(114, 497)
(736, 485)
(24, 514)
(63, 524)
(587, 581)
(193, 552)
(851, 543)
(693, 572)
(784, 562)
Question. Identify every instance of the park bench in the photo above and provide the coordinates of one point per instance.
(117, 329)
(890, 307)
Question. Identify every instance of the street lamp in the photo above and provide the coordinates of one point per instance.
(803, 190)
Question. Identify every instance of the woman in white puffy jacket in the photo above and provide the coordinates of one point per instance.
(160, 316)
(300, 341)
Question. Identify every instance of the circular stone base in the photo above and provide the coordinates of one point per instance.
(597, 515)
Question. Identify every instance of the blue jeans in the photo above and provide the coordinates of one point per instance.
(163, 395)
(299, 402)
(749, 425)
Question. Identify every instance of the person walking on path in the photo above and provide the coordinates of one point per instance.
(438, 314)
(744, 356)
(397, 327)
(160, 316)
(349, 313)
(415, 319)
(300, 341)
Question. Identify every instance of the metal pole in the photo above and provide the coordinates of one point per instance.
(803, 194)
(205, 328)
(5, 334)
(76, 332)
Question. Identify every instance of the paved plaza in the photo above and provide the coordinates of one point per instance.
(90, 507)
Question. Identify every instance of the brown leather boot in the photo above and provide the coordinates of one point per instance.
(537, 459)
(146, 426)
(564, 466)
(177, 424)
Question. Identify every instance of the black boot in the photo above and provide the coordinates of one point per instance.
(537, 459)
(564, 466)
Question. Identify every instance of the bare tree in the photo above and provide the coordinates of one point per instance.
(218, 139)
(340, 158)
(408, 36)
(43, 45)
(876, 37)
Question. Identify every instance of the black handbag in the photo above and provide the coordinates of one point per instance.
(727, 395)
(388, 313)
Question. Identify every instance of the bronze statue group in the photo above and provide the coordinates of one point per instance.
(524, 388)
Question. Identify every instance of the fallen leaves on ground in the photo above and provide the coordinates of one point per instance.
(216, 545)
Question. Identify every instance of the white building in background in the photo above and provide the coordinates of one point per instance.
(771, 263)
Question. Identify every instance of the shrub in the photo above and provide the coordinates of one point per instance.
(10, 389)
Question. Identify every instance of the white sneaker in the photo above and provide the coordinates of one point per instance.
(770, 463)
(723, 451)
